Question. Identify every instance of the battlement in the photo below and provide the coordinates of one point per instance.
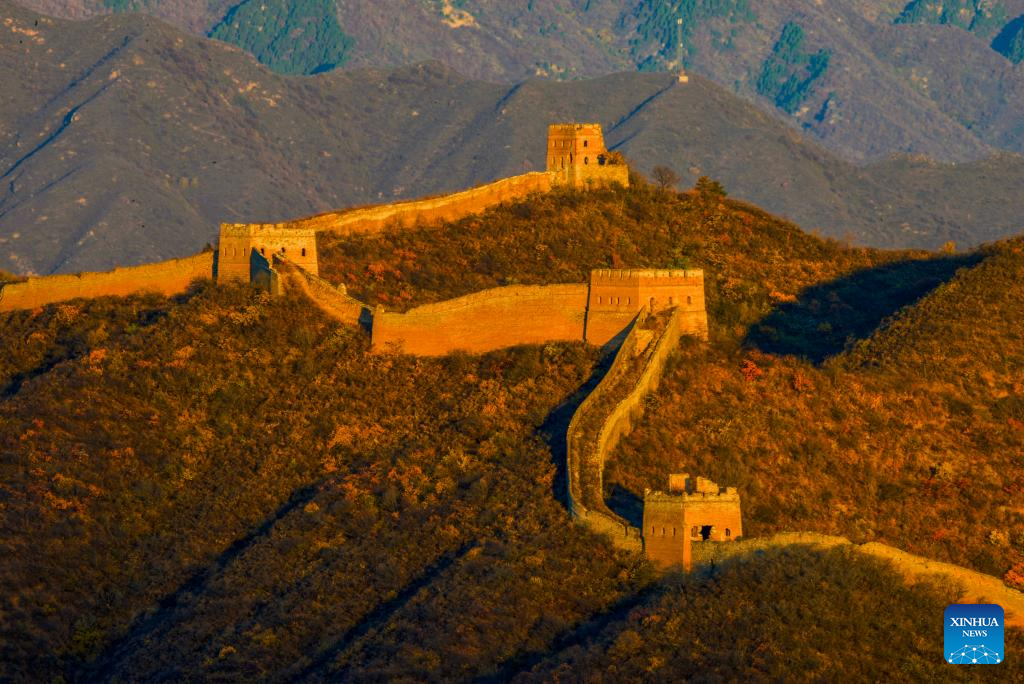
(725, 495)
(694, 509)
(659, 275)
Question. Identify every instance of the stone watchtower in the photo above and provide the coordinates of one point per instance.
(616, 295)
(577, 157)
(693, 509)
(245, 249)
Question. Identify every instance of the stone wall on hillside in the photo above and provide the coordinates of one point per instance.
(164, 277)
(585, 457)
(977, 587)
(452, 207)
(334, 301)
(484, 321)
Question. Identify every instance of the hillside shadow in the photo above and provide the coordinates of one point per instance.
(379, 616)
(577, 635)
(626, 505)
(1003, 42)
(556, 425)
(105, 666)
(826, 318)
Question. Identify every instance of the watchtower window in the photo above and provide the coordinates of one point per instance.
(689, 300)
(282, 249)
(670, 301)
(599, 300)
(728, 532)
(586, 160)
(694, 531)
(585, 142)
(705, 532)
(263, 251)
(303, 251)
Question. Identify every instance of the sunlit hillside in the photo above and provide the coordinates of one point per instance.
(230, 486)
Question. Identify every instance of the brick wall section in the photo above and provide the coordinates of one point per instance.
(587, 455)
(334, 301)
(430, 210)
(665, 533)
(978, 587)
(484, 321)
(164, 277)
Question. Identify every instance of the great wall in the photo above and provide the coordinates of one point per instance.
(644, 311)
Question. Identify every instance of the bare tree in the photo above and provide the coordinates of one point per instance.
(665, 176)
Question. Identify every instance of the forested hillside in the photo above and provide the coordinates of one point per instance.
(236, 478)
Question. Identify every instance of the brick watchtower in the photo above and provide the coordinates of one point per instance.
(693, 509)
(241, 243)
(577, 157)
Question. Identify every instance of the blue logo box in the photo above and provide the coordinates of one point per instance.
(973, 634)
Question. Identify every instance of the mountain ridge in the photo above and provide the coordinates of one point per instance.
(873, 96)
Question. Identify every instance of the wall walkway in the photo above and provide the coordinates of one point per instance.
(608, 414)
(978, 587)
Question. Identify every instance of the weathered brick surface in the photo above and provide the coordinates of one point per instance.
(334, 301)
(483, 321)
(164, 277)
(577, 157)
(240, 241)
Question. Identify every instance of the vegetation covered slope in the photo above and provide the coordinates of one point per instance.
(290, 37)
(237, 479)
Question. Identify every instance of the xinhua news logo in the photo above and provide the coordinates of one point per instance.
(974, 634)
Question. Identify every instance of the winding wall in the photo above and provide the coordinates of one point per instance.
(164, 277)
(978, 587)
(586, 457)
(334, 301)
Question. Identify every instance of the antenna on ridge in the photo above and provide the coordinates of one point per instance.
(683, 78)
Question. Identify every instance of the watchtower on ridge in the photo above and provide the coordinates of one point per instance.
(576, 156)
(241, 243)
